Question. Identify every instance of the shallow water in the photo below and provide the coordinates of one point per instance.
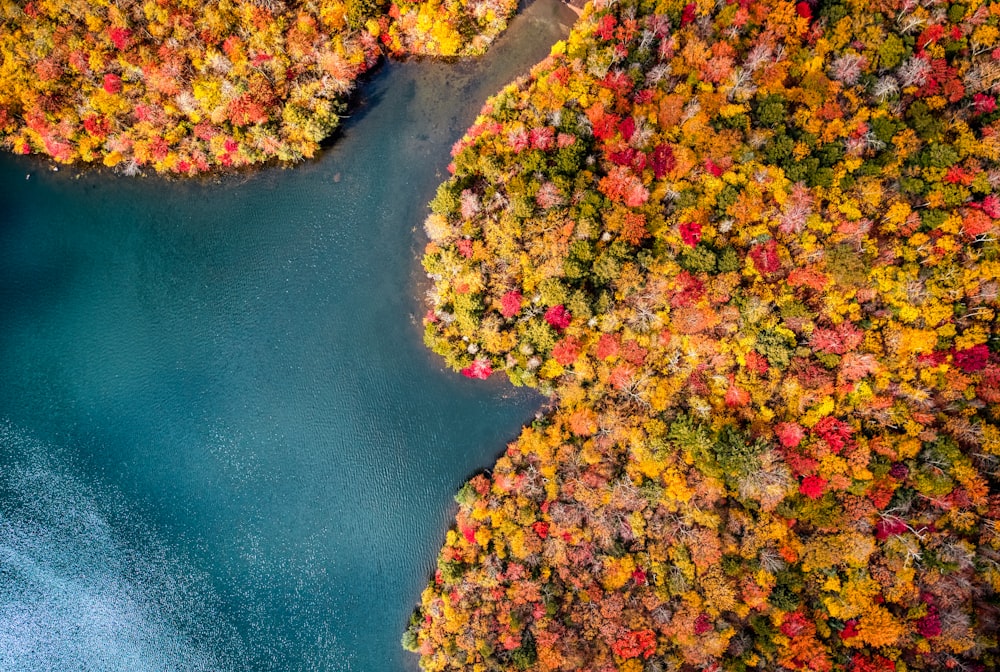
(222, 443)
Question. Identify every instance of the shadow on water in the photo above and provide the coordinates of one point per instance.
(361, 100)
(228, 376)
(23, 280)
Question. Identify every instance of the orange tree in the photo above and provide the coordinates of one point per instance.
(749, 249)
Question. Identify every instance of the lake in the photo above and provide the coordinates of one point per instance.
(223, 445)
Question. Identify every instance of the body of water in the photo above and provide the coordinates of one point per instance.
(222, 442)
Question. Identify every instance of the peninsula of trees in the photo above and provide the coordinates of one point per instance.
(749, 248)
(185, 86)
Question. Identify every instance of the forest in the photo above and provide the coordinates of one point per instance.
(185, 86)
(748, 249)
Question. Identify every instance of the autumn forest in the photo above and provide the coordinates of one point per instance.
(748, 249)
(183, 87)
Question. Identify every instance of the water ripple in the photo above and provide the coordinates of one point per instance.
(75, 595)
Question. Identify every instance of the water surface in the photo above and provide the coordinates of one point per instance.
(222, 443)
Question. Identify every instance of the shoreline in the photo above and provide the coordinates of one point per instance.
(354, 102)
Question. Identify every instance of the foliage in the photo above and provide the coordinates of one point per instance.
(750, 249)
(184, 86)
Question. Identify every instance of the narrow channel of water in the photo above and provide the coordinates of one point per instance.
(222, 443)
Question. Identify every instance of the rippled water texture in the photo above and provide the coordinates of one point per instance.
(222, 443)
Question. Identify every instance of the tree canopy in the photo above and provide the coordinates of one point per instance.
(185, 86)
(749, 248)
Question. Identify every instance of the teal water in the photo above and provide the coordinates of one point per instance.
(223, 445)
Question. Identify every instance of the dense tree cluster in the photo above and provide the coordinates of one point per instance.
(749, 248)
(184, 86)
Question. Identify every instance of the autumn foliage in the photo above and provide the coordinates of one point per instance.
(184, 86)
(756, 268)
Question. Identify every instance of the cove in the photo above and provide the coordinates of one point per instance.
(222, 442)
